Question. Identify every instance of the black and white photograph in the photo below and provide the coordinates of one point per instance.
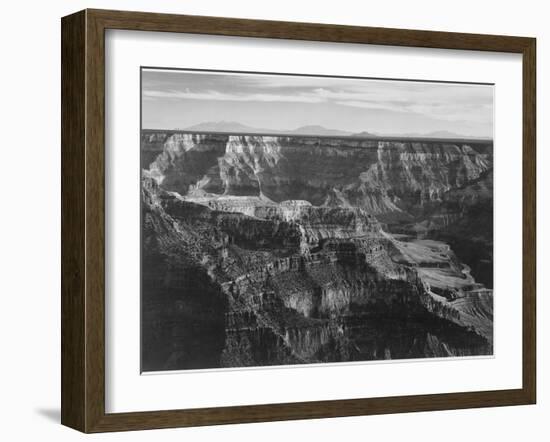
(305, 219)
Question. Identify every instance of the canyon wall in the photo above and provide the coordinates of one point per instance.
(384, 177)
(270, 250)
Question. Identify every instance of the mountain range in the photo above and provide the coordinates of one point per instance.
(232, 126)
(235, 127)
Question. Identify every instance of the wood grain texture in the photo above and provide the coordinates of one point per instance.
(144, 21)
(73, 128)
(95, 221)
(529, 221)
(83, 220)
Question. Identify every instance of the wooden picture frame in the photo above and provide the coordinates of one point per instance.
(83, 220)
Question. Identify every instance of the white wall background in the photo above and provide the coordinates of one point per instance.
(30, 217)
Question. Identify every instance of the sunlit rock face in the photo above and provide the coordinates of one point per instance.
(382, 177)
(263, 250)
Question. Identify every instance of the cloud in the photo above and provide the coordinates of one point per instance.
(442, 101)
(293, 81)
(222, 96)
(448, 112)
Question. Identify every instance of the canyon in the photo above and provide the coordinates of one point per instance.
(265, 250)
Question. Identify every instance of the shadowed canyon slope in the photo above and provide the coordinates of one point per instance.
(271, 250)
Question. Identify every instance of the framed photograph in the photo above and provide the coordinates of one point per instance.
(269, 220)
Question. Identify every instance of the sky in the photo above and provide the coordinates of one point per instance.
(178, 99)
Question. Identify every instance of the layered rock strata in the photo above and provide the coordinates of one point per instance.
(260, 250)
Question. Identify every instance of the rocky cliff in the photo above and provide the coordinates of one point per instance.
(384, 177)
(262, 250)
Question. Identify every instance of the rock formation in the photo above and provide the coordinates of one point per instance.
(274, 250)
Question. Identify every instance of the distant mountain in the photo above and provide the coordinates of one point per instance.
(314, 129)
(365, 134)
(444, 134)
(438, 134)
(226, 126)
(233, 126)
(318, 130)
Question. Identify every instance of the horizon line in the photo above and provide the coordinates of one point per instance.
(372, 137)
